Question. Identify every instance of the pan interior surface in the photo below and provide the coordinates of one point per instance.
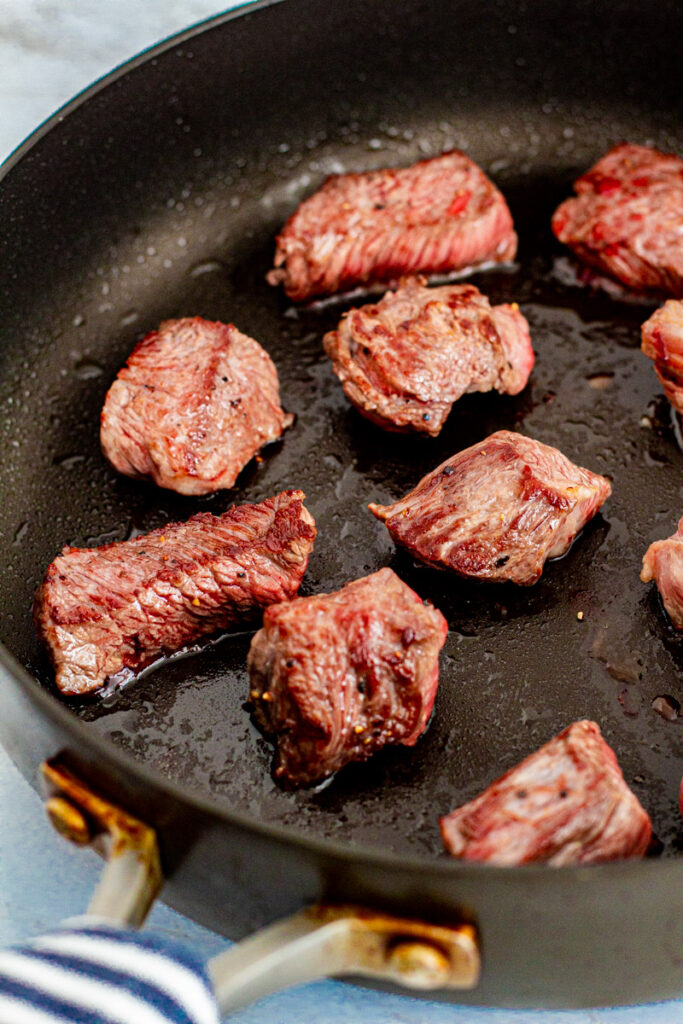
(166, 204)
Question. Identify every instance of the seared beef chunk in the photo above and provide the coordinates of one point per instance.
(107, 612)
(627, 219)
(437, 216)
(565, 804)
(663, 563)
(497, 510)
(662, 341)
(337, 676)
(194, 403)
(405, 360)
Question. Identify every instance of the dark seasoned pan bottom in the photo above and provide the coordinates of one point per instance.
(588, 641)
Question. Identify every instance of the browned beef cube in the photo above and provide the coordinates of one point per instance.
(192, 406)
(627, 218)
(565, 804)
(497, 510)
(335, 677)
(405, 360)
(438, 216)
(104, 613)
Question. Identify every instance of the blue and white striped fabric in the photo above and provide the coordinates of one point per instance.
(91, 972)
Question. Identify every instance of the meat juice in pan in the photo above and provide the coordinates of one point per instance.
(589, 640)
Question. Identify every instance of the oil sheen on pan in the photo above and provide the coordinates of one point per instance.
(589, 640)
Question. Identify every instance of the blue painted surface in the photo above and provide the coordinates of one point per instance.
(49, 50)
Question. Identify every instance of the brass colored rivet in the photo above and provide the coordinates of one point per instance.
(420, 964)
(68, 820)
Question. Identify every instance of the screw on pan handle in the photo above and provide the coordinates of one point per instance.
(132, 876)
(419, 964)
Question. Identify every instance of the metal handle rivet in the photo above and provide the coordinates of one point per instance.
(68, 820)
(420, 965)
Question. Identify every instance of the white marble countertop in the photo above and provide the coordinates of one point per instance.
(49, 51)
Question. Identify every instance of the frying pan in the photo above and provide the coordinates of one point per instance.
(157, 194)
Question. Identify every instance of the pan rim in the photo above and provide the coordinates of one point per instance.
(152, 779)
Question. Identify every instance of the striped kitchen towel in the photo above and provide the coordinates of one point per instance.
(91, 972)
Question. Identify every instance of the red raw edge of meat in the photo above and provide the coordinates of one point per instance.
(567, 803)
(627, 219)
(436, 217)
(663, 563)
(662, 341)
(105, 613)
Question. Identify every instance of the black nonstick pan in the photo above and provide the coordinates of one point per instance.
(158, 194)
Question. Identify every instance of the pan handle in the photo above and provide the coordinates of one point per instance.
(322, 941)
(325, 941)
(132, 876)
